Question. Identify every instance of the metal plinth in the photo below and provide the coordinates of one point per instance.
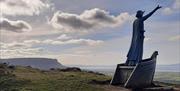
(138, 76)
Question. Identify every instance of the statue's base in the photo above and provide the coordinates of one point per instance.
(138, 76)
(122, 74)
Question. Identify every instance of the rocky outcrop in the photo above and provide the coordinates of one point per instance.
(40, 63)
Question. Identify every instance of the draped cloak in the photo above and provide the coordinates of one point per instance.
(136, 49)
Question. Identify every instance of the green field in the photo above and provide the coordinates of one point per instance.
(168, 77)
(29, 79)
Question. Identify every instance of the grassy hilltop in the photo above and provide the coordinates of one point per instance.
(18, 78)
(30, 79)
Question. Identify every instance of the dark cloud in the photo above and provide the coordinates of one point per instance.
(88, 20)
(15, 26)
(72, 21)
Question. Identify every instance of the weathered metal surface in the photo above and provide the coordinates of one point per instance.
(121, 74)
(138, 76)
(142, 75)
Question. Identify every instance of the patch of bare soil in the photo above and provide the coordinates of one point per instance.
(119, 88)
(114, 88)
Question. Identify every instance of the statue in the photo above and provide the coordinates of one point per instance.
(136, 50)
(136, 72)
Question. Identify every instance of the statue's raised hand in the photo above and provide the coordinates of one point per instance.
(158, 7)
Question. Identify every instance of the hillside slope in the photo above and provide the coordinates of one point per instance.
(20, 78)
(30, 79)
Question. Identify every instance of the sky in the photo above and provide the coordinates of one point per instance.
(87, 32)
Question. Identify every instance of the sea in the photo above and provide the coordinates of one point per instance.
(109, 69)
(164, 73)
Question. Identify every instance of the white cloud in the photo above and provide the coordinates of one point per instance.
(147, 39)
(32, 41)
(15, 26)
(29, 47)
(63, 37)
(9, 53)
(77, 42)
(175, 38)
(22, 7)
(16, 49)
(57, 41)
(167, 11)
(88, 20)
(87, 42)
(14, 45)
(47, 41)
(65, 40)
(172, 9)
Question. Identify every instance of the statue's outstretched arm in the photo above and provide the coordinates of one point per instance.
(152, 12)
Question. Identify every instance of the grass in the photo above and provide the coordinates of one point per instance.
(168, 77)
(29, 79)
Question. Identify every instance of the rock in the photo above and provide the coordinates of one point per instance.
(75, 69)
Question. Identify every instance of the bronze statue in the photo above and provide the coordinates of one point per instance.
(136, 72)
(136, 49)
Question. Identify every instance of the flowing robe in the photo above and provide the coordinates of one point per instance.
(136, 49)
(135, 53)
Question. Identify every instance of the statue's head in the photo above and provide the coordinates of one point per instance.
(139, 13)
